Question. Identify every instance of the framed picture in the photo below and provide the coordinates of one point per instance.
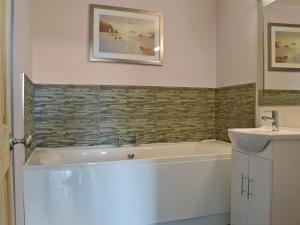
(125, 35)
(284, 47)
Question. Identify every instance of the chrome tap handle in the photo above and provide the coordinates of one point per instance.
(120, 141)
(274, 118)
(137, 140)
(274, 114)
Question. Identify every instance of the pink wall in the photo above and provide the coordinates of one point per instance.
(22, 38)
(60, 45)
(237, 42)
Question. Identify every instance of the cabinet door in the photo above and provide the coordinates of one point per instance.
(260, 191)
(239, 201)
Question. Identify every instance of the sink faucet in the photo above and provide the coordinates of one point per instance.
(274, 118)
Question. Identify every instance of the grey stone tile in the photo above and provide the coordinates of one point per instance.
(88, 115)
(29, 114)
(279, 97)
(70, 115)
(235, 108)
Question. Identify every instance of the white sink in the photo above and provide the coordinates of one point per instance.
(256, 139)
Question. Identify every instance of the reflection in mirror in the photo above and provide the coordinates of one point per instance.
(279, 57)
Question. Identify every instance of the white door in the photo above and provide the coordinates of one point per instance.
(6, 193)
(260, 191)
(239, 201)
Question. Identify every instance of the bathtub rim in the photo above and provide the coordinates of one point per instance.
(138, 162)
(145, 161)
(129, 145)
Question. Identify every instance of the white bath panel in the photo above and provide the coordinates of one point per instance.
(129, 192)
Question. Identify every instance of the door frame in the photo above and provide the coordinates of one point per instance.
(7, 7)
(20, 65)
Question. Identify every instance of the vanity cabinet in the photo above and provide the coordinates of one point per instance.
(265, 186)
(239, 200)
(251, 189)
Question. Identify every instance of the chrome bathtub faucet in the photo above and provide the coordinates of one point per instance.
(274, 118)
(120, 141)
(137, 140)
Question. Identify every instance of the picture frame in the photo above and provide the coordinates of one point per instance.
(283, 47)
(125, 35)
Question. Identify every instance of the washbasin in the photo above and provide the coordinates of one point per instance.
(257, 139)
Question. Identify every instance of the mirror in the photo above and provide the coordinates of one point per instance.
(279, 52)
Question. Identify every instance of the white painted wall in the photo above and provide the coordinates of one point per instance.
(237, 45)
(281, 13)
(60, 45)
(22, 63)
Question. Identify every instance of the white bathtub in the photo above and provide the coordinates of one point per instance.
(101, 186)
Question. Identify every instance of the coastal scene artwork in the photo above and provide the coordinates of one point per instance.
(284, 47)
(125, 35)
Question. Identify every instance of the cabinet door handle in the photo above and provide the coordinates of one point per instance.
(249, 193)
(244, 178)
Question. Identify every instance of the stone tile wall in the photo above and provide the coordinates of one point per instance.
(235, 108)
(29, 114)
(69, 115)
(279, 97)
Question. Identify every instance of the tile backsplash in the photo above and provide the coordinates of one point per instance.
(71, 115)
(91, 115)
(29, 114)
(270, 97)
(235, 108)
